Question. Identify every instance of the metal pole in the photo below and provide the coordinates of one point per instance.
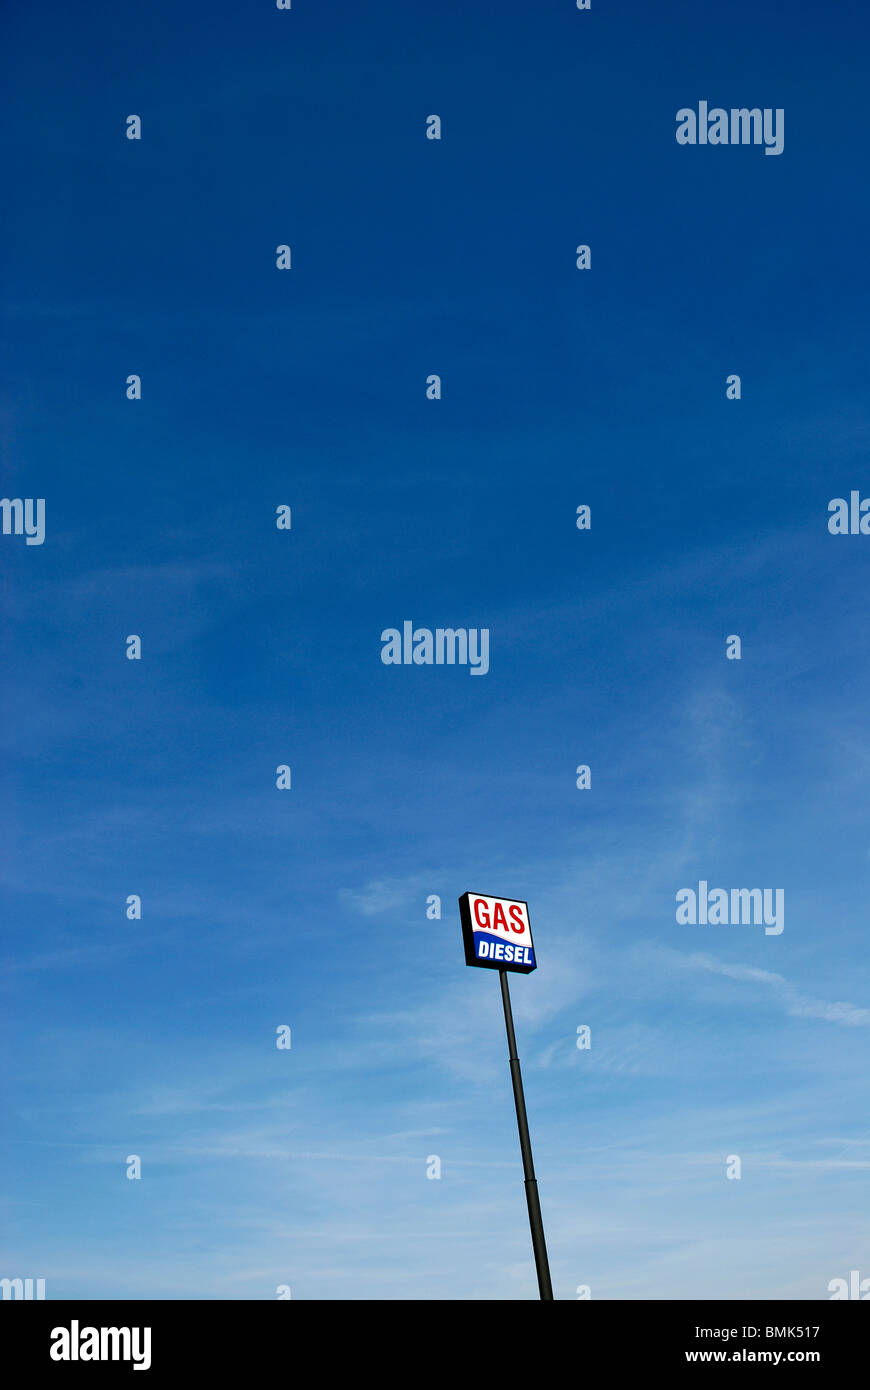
(539, 1245)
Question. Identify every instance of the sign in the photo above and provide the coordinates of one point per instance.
(496, 933)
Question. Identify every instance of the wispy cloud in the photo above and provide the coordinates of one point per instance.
(792, 1000)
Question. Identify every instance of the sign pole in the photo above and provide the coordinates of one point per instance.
(539, 1245)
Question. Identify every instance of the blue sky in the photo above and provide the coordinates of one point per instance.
(308, 907)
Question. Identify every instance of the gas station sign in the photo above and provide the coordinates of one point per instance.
(497, 933)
